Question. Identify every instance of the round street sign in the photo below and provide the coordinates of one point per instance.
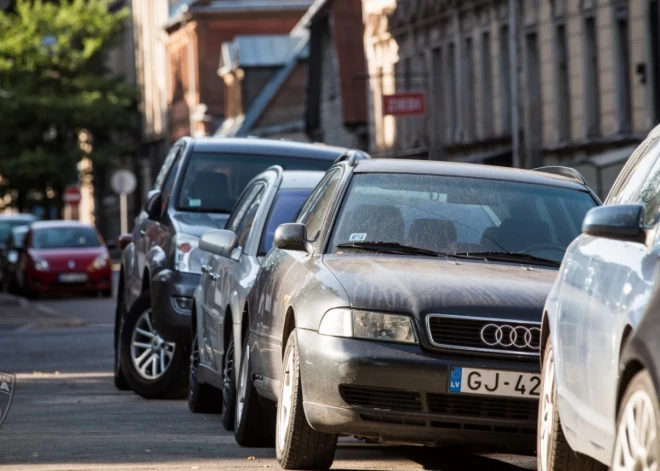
(72, 195)
(123, 182)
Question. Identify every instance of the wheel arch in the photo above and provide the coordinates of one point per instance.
(289, 326)
(545, 335)
(627, 371)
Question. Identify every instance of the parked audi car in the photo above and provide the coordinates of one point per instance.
(9, 257)
(194, 192)
(63, 256)
(270, 199)
(404, 304)
(599, 405)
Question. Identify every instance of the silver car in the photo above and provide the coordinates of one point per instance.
(597, 409)
(269, 200)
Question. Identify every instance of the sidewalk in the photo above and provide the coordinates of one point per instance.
(20, 314)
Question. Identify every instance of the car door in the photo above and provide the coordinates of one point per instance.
(217, 278)
(613, 275)
(274, 288)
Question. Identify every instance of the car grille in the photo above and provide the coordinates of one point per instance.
(380, 398)
(483, 407)
(484, 334)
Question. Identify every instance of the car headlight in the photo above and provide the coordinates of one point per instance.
(100, 262)
(40, 264)
(368, 325)
(12, 256)
(188, 256)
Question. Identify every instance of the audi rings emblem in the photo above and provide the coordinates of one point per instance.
(507, 336)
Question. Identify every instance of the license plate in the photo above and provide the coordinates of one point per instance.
(494, 382)
(73, 277)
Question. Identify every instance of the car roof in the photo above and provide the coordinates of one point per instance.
(59, 223)
(266, 147)
(491, 172)
(17, 217)
(300, 179)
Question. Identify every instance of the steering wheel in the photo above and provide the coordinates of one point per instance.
(544, 246)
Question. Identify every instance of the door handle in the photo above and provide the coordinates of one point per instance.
(214, 276)
(205, 268)
(143, 232)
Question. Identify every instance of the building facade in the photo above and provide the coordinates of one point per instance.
(587, 82)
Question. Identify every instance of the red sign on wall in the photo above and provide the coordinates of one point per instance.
(404, 104)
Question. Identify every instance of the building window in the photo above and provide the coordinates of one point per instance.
(533, 98)
(622, 74)
(505, 81)
(591, 83)
(562, 86)
(468, 89)
(486, 86)
(452, 99)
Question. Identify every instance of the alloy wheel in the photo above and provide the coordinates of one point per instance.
(150, 354)
(242, 383)
(194, 362)
(547, 410)
(286, 399)
(636, 446)
(228, 371)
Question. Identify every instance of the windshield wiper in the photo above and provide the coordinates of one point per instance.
(512, 257)
(205, 210)
(396, 248)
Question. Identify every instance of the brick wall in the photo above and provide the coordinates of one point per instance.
(289, 102)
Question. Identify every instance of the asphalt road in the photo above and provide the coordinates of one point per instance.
(67, 415)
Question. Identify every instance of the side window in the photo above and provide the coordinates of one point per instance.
(313, 212)
(164, 170)
(242, 207)
(626, 190)
(168, 186)
(244, 227)
(649, 194)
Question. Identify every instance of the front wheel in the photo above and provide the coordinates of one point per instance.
(119, 378)
(638, 427)
(297, 445)
(253, 423)
(553, 451)
(229, 386)
(154, 369)
(201, 397)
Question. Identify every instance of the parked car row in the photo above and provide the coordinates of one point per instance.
(306, 292)
(41, 257)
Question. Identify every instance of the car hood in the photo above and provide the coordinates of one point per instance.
(58, 259)
(196, 224)
(420, 285)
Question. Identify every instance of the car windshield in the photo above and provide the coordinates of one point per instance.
(451, 214)
(286, 206)
(18, 235)
(65, 237)
(7, 225)
(214, 181)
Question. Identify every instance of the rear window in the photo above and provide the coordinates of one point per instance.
(65, 237)
(286, 206)
(7, 225)
(214, 181)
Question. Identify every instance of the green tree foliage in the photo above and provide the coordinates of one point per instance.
(54, 84)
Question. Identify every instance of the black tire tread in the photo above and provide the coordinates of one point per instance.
(229, 402)
(202, 398)
(562, 457)
(305, 448)
(120, 311)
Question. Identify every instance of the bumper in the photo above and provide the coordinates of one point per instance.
(399, 393)
(171, 320)
(49, 282)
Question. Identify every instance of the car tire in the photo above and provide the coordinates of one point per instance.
(639, 401)
(553, 451)
(297, 445)
(120, 312)
(106, 293)
(202, 398)
(229, 386)
(254, 425)
(152, 381)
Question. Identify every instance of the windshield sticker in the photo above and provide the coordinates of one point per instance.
(358, 237)
(195, 203)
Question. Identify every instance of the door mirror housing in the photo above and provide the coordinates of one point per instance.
(153, 208)
(222, 242)
(124, 240)
(620, 221)
(291, 236)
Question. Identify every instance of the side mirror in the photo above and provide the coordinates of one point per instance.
(220, 242)
(124, 240)
(621, 222)
(153, 207)
(291, 236)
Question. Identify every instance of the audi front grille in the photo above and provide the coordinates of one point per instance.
(483, 334)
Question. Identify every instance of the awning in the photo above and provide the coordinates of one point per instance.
(607, 159)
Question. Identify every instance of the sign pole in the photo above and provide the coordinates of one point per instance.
(123, 209)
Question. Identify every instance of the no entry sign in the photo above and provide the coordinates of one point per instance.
(72, 195)
(404, 104)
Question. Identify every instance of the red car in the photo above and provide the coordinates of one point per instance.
(64, 256)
